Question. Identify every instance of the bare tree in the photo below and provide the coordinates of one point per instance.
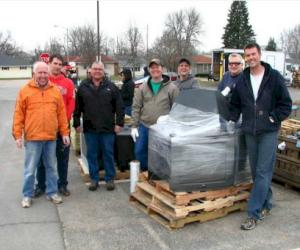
(180, 38)
(8, 45)
(121, 46)
(83, 42)
(54, 47)
(290, 41)
(135, 41)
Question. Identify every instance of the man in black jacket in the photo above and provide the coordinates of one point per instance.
(100, 103)
(264, 101)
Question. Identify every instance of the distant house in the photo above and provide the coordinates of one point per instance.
(14, 67)
(137, 68)
(110, 65)
(201, 64)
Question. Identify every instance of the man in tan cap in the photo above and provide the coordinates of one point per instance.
(151, 100)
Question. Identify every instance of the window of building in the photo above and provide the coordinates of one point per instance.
(5, 68)
(23, 67)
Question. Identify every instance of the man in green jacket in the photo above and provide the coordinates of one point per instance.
(151, 100)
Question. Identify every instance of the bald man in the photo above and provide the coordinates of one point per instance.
(39, 115)
(100, 103)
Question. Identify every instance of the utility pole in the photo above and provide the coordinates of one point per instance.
(98, 33)
(147, 40)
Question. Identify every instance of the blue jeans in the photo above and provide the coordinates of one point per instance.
(62, 156)
(128, 110)
(95, 143)
(262, 156)
(141, 147)
(34, 151)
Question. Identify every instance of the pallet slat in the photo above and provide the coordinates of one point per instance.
(157, 200)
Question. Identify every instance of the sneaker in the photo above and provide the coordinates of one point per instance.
(26, 202)
(110, 185)
(93, 186)
(55, 198)
(64, 191)
(249, 224)
(264, 213)
(38, 192)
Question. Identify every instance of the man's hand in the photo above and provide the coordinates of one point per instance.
(78, 129)
(19, 143)
(134, 134)
(66, 140)
(118, 129)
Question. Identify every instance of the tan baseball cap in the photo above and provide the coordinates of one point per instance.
(156, 61)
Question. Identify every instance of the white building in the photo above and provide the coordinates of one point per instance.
(14, 68)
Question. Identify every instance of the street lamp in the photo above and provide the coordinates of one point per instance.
(67, 49)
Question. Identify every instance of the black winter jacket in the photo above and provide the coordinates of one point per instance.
(99, 107)
(273, 100)
(127, 92)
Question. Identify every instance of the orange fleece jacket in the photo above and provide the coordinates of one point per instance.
(39, 113)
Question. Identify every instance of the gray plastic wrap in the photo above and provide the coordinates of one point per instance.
(188, 148)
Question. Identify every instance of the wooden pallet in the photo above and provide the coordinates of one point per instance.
(289, 127)
(174, 210)
(84, 172)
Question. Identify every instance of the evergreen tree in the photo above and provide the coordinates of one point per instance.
(271, 44)
(238, 31)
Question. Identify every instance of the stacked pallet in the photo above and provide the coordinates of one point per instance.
(175, 209)
(296, 79)
(289, 127)
(287, 169)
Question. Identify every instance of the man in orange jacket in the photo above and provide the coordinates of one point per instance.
(39, 115)
(66, 87)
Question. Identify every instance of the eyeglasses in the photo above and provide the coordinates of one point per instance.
(234, 63)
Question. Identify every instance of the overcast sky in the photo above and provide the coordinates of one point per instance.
(31, 23)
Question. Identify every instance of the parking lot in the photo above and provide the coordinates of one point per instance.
(106, 220)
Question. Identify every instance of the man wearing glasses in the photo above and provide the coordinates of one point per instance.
(100, 103)
(230, 78)
(235, 68)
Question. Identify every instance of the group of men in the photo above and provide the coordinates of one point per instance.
(258, 94)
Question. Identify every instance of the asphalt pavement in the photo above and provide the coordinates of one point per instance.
(106, 220)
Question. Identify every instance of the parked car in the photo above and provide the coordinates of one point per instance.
(173, 75)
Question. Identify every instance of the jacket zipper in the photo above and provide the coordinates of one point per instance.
(43, 105)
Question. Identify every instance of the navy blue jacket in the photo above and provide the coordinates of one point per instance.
(273, 100)
(102, 108)
(228, 81)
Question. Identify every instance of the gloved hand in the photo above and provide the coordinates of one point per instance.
(162, 118)
(226, 91)
(134, 134)
(231, 127)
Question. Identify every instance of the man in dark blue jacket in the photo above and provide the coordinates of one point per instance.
(229, 80)
(99, 101)
(264, 101)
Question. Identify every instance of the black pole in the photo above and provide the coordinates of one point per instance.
(98, 33)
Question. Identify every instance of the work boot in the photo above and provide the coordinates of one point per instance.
(110, 185)
(264, 213)
(64, 191)
(249, 224)
(93, 186)
(38, 192)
